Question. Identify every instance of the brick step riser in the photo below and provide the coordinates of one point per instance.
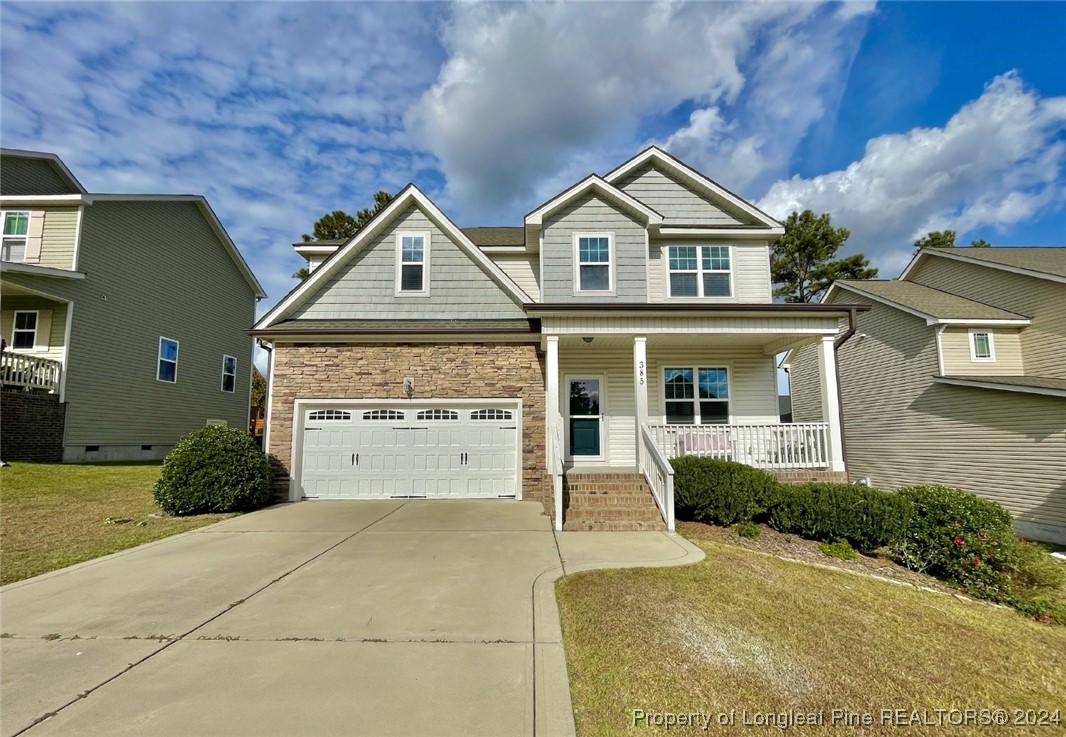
(605, 478)
(641, 505)
(613, 526)
(599, 515)
(630, 491)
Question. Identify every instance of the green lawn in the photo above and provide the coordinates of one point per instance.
(54, 515)
(747, 631)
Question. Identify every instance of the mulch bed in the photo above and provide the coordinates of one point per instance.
(796, 548)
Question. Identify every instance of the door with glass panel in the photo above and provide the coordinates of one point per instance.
(584, 402)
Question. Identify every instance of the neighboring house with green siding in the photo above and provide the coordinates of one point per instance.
(122, 315)
(957, 376)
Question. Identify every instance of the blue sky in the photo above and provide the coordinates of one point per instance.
(896, 118)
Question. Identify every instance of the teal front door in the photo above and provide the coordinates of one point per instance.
(584, 413)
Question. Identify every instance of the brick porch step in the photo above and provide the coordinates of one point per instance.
(609, 502)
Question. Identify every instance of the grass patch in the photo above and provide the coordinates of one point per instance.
(751, 632)
(55, 515)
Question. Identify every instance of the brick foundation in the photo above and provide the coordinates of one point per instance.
(440, 371)
(31, 427)
(814, 474)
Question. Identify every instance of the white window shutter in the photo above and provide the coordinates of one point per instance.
(44, 329)
(35, 236)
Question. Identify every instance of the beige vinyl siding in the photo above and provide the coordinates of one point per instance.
(1043, 301)
(678, 204)
(52, 316)
(523, 270)
(958, 361)
(593, 214)
(753, 391)
(805, 384)
(750, 264)
(902, 428)
(365, 287)
(152, 269)
(59, 237)
(23, 176)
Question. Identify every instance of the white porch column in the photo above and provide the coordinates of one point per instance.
(827, 369)
(640, 388)
(552, 423)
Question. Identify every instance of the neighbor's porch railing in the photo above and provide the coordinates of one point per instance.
(659, 473)
(556, 467)
(29, 372)
(778, 447)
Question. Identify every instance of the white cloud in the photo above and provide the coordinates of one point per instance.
(997, 162)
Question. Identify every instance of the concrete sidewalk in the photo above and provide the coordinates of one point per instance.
(346, 618)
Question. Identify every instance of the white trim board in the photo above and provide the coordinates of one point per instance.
(15, 267)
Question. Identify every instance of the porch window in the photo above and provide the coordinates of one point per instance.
(696, 396)
(229, 373)
(16, 233)
(594, 262)
(700, 271)
(412, 252)
(24, 334)
(168, 361)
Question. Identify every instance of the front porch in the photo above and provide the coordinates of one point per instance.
(634, 401)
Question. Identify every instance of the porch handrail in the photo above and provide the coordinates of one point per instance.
(659, 473)
(773, 446)
(29, 372)
(557, 476)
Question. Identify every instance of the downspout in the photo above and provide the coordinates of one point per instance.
(853, 324)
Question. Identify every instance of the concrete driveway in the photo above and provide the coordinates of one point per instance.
(327, 618)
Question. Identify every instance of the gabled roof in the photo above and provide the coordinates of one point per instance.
(1042, 262)
(934, 305)
(594, 183)
(52, 159)
(1049, 385)
(658, 157)
(409, 195)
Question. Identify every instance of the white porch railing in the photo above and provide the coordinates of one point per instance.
(659, 473)
(556, 467)
(29, 372)
(778, 447)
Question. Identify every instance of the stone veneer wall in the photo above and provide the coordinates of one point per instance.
(440, 371)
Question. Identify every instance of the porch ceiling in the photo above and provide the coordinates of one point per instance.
(11, 290)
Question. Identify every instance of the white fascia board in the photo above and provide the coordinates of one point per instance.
(536, 218)
(977, 383)
(732, 233)
(46, 199)
(313, 249)
(19, 268)
(1020, 322)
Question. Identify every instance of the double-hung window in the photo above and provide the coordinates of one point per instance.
(24, 332)
(229, 374)
(593, 251)
(167, 368)
(700, 271)
(412, 260)
(16, 235)
(981, 347)
(696, 396)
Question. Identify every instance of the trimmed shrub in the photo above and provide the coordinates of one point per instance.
(840, 549)
(213, 469)
(748, 530)
(724, 492)
(959, 537)
(867, 518)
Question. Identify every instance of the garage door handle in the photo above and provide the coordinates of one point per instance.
(355, 459)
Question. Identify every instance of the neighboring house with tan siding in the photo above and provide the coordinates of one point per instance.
(957, 376)
(123, 318)
(627, 320)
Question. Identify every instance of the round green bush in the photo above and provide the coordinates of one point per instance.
(866, 518)
(959, 537)
(722, 492)
(213, 469)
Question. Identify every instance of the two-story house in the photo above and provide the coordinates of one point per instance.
(123, 317)
(957, 376)
(627, 320)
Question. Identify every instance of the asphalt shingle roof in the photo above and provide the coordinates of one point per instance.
(1046, 260)
(1040, 382)
(929, 301)
(496, 236)
(402, 326)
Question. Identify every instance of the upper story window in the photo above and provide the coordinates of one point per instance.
(168, 361)
(981, 346)
(412, 260)
(594, 262)
(696, 396)
(229, 374)
(700, 271)
(16, 235)
(24, 332)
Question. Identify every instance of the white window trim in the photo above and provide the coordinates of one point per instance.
(695, 368)
(974, 358)
(224, 374)
(14, 327)
(159, 359)
(610, 264)
(565, 399)
(424, 235)
(700, 271)
(25, 238)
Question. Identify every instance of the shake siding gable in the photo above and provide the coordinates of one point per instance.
(678, 204)
(26, 176)
(593, 214)
(1044, 341)
(365, 288)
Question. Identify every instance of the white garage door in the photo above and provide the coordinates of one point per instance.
(435, 452)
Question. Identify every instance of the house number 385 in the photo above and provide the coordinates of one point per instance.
(640, 372)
